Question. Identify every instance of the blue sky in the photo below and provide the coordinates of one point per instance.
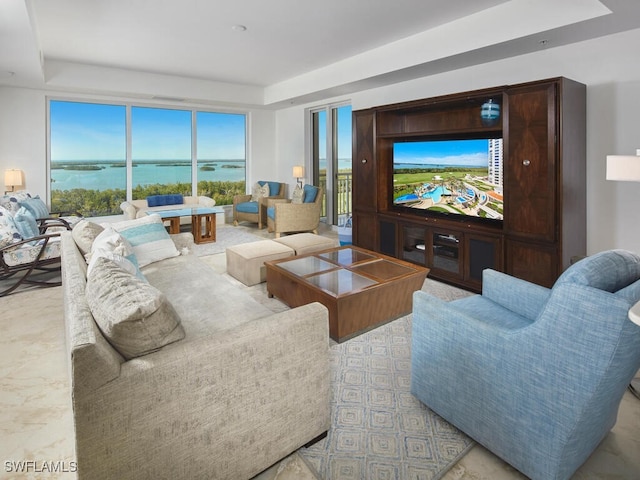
(84, 131)
(344, 132)
(447, 152)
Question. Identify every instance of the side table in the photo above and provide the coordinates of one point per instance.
(634, 316)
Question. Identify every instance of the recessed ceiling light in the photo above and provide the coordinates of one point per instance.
(239, 28)
(544, 42)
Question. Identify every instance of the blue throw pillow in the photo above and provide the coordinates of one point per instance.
(36, 207)
(26, 223)
(274, 187)
(168, 199)
(310, 193)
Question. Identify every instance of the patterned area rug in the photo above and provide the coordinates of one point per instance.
(379, 430)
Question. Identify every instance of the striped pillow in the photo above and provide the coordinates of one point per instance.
(148, 237)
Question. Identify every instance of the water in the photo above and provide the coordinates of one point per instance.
(114, 177)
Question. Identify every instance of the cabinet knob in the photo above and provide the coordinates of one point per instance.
(526, 162)
(364, 160)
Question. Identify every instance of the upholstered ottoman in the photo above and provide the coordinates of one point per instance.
(245, 262)
(303, 243)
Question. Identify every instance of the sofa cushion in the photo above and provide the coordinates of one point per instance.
(274, 187)
(36, 206)
(310, 193)
(134, 317)
(169, 199)
(247, 207)
(84, 233)
(8, 231)
(12, 201)
(112, 245)
(259, 191)
(26, 223)
(148, 237)
(298, 195)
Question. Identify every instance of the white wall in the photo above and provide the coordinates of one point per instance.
(22, 136)
(23, 142)
(609, 68)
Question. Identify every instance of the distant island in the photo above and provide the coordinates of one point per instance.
(77, 167)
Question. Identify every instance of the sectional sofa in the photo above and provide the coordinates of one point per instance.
(222, 389)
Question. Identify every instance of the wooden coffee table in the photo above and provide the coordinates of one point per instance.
(203, 221)
(362, 289)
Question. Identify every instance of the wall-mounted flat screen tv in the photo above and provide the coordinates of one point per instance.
(449, 177)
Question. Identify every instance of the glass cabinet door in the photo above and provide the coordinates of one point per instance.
(446, 252)
(413, 244)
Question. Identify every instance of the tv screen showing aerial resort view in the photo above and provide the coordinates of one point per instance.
(461, 176)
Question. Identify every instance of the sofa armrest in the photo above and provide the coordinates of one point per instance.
(271, 201)
(241, 199)
(524, 298)
(129, 210)
(234, 403)
(206, 201)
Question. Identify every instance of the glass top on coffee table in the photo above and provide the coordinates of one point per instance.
(347, 256)
(185, 212)
(304, 266)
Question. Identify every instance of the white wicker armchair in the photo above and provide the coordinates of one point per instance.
(286, 217)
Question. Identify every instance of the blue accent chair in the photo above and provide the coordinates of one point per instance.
(246, 209)
(535, 375)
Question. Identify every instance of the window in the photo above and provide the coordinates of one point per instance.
(331, 156)
(221, 150)
(87, 151)
(95, 164)
(160, 151)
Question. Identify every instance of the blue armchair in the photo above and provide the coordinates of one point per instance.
(535, 375)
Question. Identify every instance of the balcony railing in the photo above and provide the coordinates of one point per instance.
(343, 186)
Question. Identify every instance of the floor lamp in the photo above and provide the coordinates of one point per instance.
(626, 168)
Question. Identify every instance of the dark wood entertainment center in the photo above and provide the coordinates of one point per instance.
(543, 126)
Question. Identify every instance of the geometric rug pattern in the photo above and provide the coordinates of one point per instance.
(379, 431)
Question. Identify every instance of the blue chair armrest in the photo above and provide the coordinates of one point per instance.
(519, 296)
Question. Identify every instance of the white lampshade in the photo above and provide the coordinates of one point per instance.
(298, 171)
(624, 167)
(13, 177)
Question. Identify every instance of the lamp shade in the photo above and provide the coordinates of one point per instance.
(298, 171)
(12, 177)
(623, 167)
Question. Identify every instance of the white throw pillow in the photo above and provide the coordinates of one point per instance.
(134, 316)
(148, 237)
(110, 244)
(298, 195)
(84, 233)
(259, 192)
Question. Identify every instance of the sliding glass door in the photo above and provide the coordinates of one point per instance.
(331, 160)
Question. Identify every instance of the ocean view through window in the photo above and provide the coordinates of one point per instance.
(95, 164)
